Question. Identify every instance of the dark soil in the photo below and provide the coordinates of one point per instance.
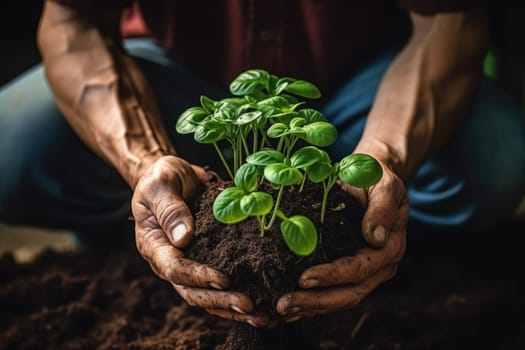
(450, 292)
(264, 268)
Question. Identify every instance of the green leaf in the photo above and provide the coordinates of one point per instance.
(320, 133)
(300, 235)
(246, 177)
(250, 82)
(304, 89)
(360, 170)
(305, 156)
(265, 157)
(272, 84)
(284, 117)
(277, 102)
(297, 131)
(282, 174)
(312, 116)
(189, 119)
(208, 104)
(226, 111)
(297, 122)
(277, 130)
(247, 118)
(227, 208)
(209, 131)
(256, 203)
(247, 107)
(280, 86)
(291, 98)
(236, 101)
(320, 170)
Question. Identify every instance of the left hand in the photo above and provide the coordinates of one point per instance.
(343, 283)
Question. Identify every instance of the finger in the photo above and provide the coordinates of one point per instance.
(169, 263)
(254, 320)
(205, 175)
(357, 268)
(175, 218)
(215, 299)
(301, 304)
(387, 203)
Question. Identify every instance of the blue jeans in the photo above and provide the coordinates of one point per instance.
(49, 178)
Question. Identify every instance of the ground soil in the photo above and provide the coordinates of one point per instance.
(452, 291)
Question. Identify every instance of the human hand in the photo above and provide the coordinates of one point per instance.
(343, 283)
(164, 225)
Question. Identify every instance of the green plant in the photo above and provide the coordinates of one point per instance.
(263, 123)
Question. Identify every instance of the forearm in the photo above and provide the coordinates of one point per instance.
(425, 95)
(101, 91)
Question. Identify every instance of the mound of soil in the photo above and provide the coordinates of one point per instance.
(264, 268)
(451, 292)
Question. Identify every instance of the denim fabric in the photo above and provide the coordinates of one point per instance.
(49, 178)
(475, 181)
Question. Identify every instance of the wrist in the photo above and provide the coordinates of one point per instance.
(387, 155)
(137, 167)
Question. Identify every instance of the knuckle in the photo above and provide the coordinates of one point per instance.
(173, 269)
(357, 268)
(184, 293)
(399, 249)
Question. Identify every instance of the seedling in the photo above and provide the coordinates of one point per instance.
(263, 124)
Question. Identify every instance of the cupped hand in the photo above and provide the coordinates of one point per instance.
(343, 283)
(164, 225)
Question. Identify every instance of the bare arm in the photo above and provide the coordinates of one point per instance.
(422, 101)
(100, 90)
(107, 101)
(425, 95)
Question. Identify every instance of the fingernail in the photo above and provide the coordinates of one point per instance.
(379, 234)
(293, 319)
(252, 323)
(179, 232)
(237, 309)
(215, 285)
(310, 283)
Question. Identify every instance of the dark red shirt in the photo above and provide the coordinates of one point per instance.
(317, 40)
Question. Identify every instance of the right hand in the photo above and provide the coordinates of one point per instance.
(164, 225)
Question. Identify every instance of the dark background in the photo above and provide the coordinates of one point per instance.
(19, 20)
(18, 24)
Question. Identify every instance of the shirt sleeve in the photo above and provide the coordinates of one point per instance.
(430, 7)
(96, 4)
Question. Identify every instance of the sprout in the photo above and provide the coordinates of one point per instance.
(263, 124)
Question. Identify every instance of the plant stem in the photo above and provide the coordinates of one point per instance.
(280, 144)
(302, 183)
(255, 140)
(323, 205)
(260, 220)
(218, 150)
(327, 186)
(237, 155)
(275, 208)
(245, 145)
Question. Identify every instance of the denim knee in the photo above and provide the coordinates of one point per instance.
(28, 118)
(479, 179)
(48, 176)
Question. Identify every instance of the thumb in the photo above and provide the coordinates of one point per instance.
(175, 219)
(379, 218)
